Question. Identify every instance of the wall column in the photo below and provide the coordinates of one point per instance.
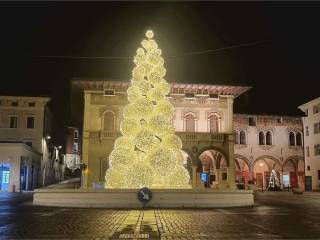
(194, 176)
(232, 165)
(85, 140)
(230, 140)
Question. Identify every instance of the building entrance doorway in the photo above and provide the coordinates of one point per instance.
(4, 177)
(259, 180)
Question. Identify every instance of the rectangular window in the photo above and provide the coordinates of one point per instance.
(317, 149)
(30, 122)
(75, 134)
(252, 121)
(189, 95)
(308, 151)
(307, 113)
(14, 104)
(318, 174)
(13, 121)
(213, 95)
(316, 128)
(316, 108)
(308, 168)
(32, 104)
(224, 176)
(307, 131)
(75, 147)
(279, 120)
(109, 92)
(29, 143)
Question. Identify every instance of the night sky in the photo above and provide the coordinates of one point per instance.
(282, 66)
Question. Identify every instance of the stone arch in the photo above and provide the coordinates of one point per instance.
(263, 157)
(190, 161)
(243, 172)
(246, 160)
(226, 157)
(294, 158)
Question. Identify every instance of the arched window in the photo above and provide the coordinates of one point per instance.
(236, 137)
(261, 138)
(243, 137)
(299, 139)
(291, 139)
(108, 121)
(190, 122)
(269, 138)
(213, 123)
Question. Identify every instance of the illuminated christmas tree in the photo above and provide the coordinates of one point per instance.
(148, 154)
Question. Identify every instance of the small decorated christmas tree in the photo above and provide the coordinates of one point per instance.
(148, 154)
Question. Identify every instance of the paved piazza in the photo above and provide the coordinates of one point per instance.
(275, 216)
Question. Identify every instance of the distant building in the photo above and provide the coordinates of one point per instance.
(311, 125)
(229, 147)
(73, 148)
(26, 150)
(266, 142)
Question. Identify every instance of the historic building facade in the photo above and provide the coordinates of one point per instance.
(265, 142)
(27, 157)
(311, 124)
(215, 141)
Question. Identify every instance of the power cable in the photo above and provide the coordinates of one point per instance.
(169, 57)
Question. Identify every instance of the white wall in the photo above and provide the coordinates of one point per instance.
(312, 161)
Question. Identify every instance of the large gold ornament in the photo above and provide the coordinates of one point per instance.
(149, 153)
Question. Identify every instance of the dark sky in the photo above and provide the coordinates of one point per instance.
(283, 68)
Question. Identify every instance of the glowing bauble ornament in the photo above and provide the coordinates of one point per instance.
(160, 70)
(115, 179)
(145, 140)
(154, 58)
(165, 108)
(149, 34)
(155, 94)
(154, 77)
(144, 86)
(163, 87)
(121, 157)
(172, 141)
(179, 178)
(160, 125)
(162, 160)
(144, 107)
(124, 142)
(138, 72)
(129, 111)
(140, 52)
(148, 67)
(129, 126)
(139, 175)
(133, 93)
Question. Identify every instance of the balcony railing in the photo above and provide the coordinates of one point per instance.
(185, 136)
(201, 136)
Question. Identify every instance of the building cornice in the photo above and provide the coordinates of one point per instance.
(176, 88)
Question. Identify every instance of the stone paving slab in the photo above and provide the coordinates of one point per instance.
(274, 216)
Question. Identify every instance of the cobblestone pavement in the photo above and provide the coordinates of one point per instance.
(274, 216)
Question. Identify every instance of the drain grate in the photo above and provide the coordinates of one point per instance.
(134, 236)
